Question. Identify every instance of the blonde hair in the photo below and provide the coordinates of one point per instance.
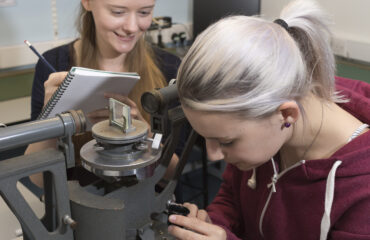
(141, 59)
(251, 66)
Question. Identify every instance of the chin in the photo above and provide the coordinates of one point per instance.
(242, 166)
(125, 48)
(245, 167)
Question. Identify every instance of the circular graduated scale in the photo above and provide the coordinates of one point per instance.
(105, 133)
(114, 153)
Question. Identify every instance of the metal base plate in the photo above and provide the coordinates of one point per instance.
(105, 133)
(111, 163)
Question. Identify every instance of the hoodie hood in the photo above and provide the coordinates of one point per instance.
(355, 154)
(358, 93)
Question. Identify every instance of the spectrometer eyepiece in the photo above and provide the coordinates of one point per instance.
(157, 100)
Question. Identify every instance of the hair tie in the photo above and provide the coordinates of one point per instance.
(282, 23)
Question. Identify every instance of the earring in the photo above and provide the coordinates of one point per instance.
(287, 124)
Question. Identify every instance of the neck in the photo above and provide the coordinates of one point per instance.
(111, 61)
(324, 131)
(112, 64)
(108, 58)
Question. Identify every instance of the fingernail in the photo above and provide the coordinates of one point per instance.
(172, 218)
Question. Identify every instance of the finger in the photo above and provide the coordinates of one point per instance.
(185, 234)
(192, 208)
(194, 224)
(134, 112)
(96, 120)
(51, 85)
(55, 79)
(203, 216)
(49, 91)
(121, 98)
(99, 113)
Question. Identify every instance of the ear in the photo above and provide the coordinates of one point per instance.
(86, 4)
(289, 112)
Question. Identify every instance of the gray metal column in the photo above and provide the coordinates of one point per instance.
(12, 170)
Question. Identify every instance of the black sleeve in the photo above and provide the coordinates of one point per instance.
(59, 59)
(168, 63)
(38, 91)
(171, 65)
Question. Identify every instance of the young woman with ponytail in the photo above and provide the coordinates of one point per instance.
(296, 138)
(112, 38)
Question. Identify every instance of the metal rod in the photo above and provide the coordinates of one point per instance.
(39, 130)
(26, 133)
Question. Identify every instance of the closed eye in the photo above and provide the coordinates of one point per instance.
(117, 12)
(145, 13)
(226, 144)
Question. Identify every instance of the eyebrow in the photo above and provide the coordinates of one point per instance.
(123, 7)
(220, 138)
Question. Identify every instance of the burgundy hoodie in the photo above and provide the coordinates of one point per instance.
(320, 199)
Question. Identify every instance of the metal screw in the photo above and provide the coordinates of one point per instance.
(19, 232)
(69, 221)
(141, 146)
(98, 146)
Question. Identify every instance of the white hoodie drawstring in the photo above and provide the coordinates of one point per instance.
(273, 190)
(330, 186)
(274, 179)
(329, 196)
(252, 182)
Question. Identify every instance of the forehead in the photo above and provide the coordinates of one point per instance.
(127, 3)
(214, 124)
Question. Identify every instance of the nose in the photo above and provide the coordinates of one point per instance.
(214, 150)
(131, 23)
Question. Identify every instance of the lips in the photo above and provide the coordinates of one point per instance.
(125, 37)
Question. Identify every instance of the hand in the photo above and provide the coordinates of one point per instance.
(197, 213)
(98, 115)
(197, 225)
(53, 82)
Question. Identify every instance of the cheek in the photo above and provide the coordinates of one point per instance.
(112, 24)
(104, 22)
(257, 150)
(144, 23)
(248, 153)
(268, 146)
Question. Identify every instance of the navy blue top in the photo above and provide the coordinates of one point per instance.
(61, 59)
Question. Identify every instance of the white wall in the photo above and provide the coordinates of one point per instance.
(351, 27)
(49, 23)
